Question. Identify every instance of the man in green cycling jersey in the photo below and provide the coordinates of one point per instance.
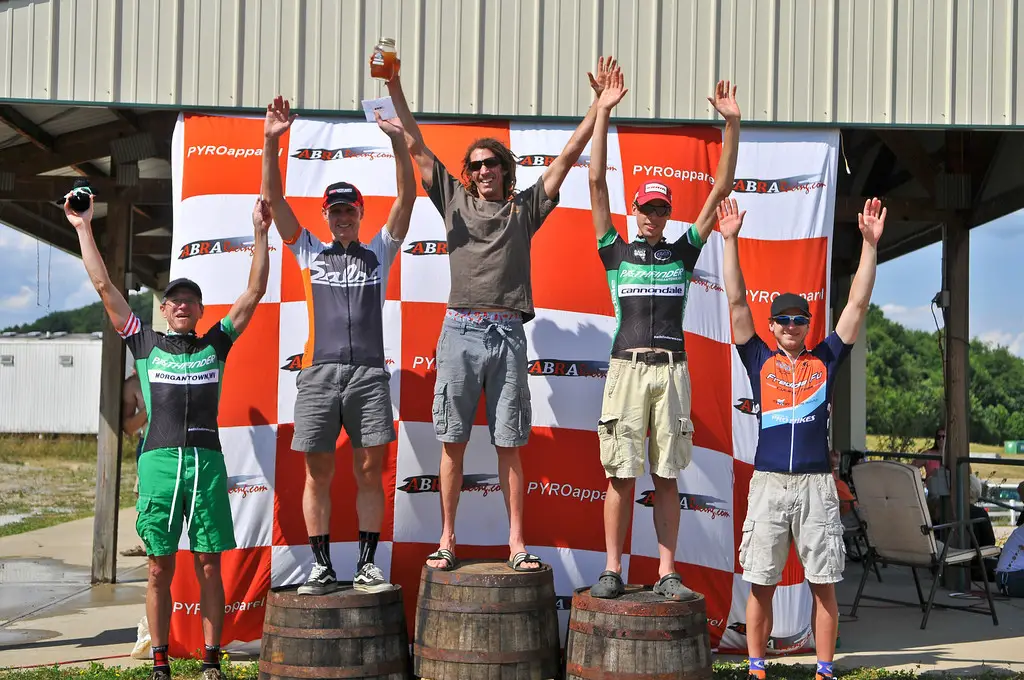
(182, 476)
(648, 381)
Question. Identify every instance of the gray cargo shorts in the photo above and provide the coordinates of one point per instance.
(803, 508)
(334, 395)
(487, 356)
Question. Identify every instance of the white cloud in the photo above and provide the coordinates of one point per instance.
(20, 300)
(919, 318)
(1013, 342)
(11, 239)
(85, 294)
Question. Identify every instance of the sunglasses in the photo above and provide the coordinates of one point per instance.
(658, 210)
(491, 162)
(798, 320)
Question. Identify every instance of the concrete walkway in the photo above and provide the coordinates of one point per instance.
(49, 613)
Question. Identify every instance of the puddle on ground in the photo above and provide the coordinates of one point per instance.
(12, 638)
(12, 519)
(29, 585)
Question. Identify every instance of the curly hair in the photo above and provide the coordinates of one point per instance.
(508, 165)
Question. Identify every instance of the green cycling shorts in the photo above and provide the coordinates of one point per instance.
(179, 485)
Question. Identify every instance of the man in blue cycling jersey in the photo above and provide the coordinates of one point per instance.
(792, 492)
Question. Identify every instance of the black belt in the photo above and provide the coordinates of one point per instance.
(650, 357)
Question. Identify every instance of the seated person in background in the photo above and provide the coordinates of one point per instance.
(1020, 500)
(847, 501)
(929, 466)
(1010, 568)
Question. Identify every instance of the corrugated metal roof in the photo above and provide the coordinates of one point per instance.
(914, 62)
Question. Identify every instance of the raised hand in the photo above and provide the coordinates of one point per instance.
(730, 219)
(614, 90)
(279, 118)
(872, 220)
(261, 217)
(604, 70)
(724, 100)
(392, 127)
(78, 220)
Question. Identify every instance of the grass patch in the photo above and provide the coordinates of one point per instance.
(189, 669)
(52, 479)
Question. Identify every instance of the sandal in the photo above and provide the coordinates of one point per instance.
(441, 554)
(520, 557)
(670, 586)
(609, 585)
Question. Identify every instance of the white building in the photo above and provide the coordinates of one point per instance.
(50, 383)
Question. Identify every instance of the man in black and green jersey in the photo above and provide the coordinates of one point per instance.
(182, 476)
(648, 383)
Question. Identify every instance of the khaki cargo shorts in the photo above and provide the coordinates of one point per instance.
(637, 395)
(804, 506)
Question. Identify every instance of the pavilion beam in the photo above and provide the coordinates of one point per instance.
(39, 137)
(108, 450)
(911, 155)
(897, 209)
(82, 146)
(49, 188)
(956, 280)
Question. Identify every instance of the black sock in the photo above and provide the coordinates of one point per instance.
(212, 659)
(367, 547)
(321, 549)
(160, 661)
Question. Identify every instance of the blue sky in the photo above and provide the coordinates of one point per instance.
(903, 288)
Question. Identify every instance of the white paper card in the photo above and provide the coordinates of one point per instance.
(384, 105)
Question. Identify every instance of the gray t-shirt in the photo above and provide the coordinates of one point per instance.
(489, 242)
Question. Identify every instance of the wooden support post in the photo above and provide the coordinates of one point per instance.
(108, 443)
(956, 280)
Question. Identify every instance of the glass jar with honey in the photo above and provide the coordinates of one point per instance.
(384, 62)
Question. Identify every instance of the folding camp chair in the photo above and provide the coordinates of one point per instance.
(900, 532)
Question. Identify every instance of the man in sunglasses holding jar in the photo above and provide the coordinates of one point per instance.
(793, 495)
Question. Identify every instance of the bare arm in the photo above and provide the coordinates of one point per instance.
(242, 311)
(423, 157)
(730, 220)
(725, 103)
(611, 95)
(279, 119)
(133, 413)
(871, 222)
(401, 209)
(133, 408)
(113, 301)
(555, 173)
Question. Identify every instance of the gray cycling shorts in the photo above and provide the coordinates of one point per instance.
(488, 357)
(332, 396)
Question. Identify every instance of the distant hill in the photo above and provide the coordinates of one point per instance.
(88, 319)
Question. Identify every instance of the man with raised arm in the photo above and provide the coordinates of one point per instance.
(648, 383)
(482, 345)
(182, 476)
(793, 495)
(343, 380)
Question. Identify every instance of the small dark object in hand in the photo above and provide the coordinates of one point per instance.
(79, 199)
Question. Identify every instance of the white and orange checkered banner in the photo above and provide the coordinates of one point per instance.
(785, 179)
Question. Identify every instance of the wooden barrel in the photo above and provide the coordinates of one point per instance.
(484, 620)
(639, 635)
(344, 634)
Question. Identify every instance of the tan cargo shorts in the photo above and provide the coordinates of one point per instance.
(637, 395)
(804, 506)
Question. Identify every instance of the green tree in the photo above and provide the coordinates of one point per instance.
(906, 387)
